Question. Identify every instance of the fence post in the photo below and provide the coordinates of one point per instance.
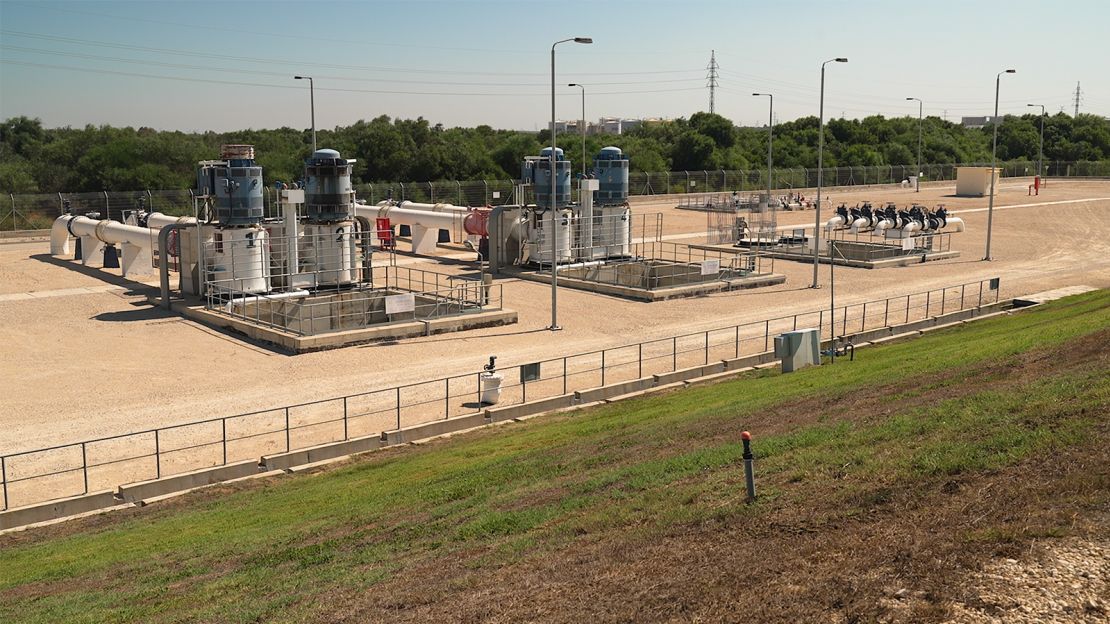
(767, 335)
(943, 297)
(157, 456)
(707, 347)
(345, 438)
(980, 294)
(863, 321)
(928, 300)
(886, 314)
(907, 308)
(223, 434)
(4, 480)
(737, 350)
(674, 353)
(447, 398)
(85, 467)
(639, 360)
(564, 375)
(603, 367)
(398, 407)
(287, 430)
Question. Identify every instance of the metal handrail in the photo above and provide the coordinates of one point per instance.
(935, 300)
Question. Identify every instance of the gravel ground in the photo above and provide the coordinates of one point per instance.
(96, 363)
(1065, 580)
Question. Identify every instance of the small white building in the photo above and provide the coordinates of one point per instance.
(975, 181)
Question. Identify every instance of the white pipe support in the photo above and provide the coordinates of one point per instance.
(135, 242)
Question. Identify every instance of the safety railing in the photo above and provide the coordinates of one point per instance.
(40, 475)
(364, 303)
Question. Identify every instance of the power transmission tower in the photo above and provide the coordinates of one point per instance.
(1078, 96)
(712, 79)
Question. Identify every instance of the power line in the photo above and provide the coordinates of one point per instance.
(288, 63)
(286, 74)
(338, 90)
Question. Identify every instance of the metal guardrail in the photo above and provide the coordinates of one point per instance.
(56, 472)
(36, 211)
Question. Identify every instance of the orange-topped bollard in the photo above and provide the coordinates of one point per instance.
(749, 460)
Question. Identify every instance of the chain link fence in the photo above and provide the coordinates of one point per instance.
(37, 211)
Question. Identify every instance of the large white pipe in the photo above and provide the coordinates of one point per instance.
(954, 221)
(425, 224)
(861, 222)
(135, 242)
(882, 225)
(408, 205)
(911, 227)
(157, 220)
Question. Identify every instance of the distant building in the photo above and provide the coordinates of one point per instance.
(976, 122)
(606, 125)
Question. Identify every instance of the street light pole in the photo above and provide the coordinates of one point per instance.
(820, 164)
(312, 106)
(583, 87)
(1040, 150)
(770, 140)
(552, 208)
(920, 111)
(994, 161)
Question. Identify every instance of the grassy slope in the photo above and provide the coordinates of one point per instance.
(837, 441)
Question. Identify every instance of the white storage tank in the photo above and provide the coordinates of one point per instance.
(539, 245)
(328, 250)
(612, 235)
(240, 262)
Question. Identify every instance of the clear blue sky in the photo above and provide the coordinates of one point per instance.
(229, 65)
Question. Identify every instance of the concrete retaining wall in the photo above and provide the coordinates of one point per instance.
(284, 461)
(137, 492)
(22, 516)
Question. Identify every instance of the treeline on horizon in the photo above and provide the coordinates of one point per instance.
(34, 159)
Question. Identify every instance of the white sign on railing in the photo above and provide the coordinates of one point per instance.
(396, 304)
(711, 267)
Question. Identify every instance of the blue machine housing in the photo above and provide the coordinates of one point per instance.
(236, 184)
(611, 167)
(537, 170)
(328, 194)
